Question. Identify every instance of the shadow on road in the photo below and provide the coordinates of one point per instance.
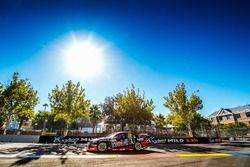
(46, 149)
(23, 161)
(80, 149)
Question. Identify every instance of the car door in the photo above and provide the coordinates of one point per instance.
(119, 140)
(131, 138)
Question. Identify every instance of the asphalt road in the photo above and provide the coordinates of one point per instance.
(30, 154)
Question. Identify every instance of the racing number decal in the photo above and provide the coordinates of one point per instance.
(121, 140)
(117, 144)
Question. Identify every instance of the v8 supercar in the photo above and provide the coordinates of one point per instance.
(119, 141)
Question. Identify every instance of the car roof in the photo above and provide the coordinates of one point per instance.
(120, 132)
(115, 133)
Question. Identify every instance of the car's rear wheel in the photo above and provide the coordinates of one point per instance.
(102, 147)
(138, 146)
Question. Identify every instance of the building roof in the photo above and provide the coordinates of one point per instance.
(214, 114)
(232, 110)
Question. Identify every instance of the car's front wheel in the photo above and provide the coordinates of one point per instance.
(138, 146)
(102, 147)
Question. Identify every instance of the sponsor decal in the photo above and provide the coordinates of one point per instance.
(64, 139)
(154, 140)
(117, 144)
(67, 140)
(151, 140)
(214, 140)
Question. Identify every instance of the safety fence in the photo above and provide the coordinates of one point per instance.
(151, 139)
(240, 133)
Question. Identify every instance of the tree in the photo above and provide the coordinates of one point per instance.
(133, 108)
(45, 116)
(159, 121)
(199, 122)
(109, 108)
(182, 108)
(51, 125)
(110, 113)
(129, 107)
(39, 120)
(95, 116)
(69, 103)
(1, 110)
(18, 101)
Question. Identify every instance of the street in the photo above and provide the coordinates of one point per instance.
(32, 154)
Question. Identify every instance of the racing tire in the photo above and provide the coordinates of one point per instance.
(137, 146)
(102, 147)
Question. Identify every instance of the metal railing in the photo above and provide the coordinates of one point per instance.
(222, 133)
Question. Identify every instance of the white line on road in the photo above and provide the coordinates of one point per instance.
(58, 156)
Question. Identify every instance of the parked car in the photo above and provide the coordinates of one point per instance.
(119, 141)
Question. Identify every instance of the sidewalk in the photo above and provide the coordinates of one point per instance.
(238, 143)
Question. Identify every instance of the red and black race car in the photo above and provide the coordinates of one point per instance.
(119, 141)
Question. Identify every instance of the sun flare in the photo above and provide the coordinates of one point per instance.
(84, 59)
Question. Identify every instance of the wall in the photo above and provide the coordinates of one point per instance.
(225, 121)
(20, 138)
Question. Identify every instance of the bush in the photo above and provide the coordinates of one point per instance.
(236, 125)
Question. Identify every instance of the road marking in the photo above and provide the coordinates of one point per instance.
(59, 156)
(203, 155)
(92, 156)
(241, 154)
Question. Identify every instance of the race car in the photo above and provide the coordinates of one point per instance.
(119, 141)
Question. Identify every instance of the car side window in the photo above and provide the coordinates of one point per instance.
(120, 136)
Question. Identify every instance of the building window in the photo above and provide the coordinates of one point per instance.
(228, 117)
(237, 116)
(212, 119)
(248, 114)
(220, 118)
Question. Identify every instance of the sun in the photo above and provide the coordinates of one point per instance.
(84, 59)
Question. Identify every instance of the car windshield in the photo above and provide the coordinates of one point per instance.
(111, 135)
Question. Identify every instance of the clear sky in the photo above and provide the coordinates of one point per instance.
(152, 44)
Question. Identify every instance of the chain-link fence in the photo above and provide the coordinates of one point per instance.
(236, 134)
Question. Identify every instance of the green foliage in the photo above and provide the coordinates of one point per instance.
(69, 103)
(51, 125)
(134, 108)
(197, 120)
(18, 100)
(183, 110)
(236, 125)
(129, 107)
(176, 120)
(109, 108)
(159, 121)
(37, 122)
(95, 115)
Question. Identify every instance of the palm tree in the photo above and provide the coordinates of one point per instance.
(95, 116)
(45, 105)
(46, 117)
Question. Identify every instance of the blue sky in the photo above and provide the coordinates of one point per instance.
(152, 44)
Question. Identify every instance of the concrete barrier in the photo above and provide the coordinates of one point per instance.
(152, 140)
(20, 138)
